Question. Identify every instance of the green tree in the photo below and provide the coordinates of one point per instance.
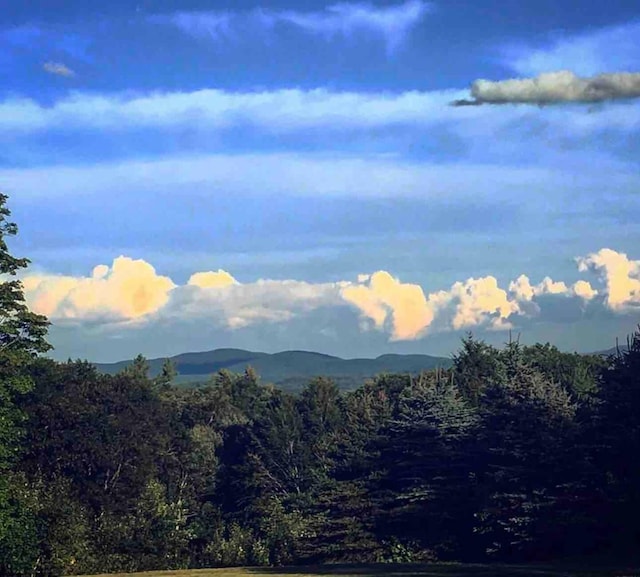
(525, 440)
(474, 367)
(22, 337)
(167, 375)
(427, 458)
(138, 369)
(617, 446)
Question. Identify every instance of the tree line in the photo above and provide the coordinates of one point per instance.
(519, 453)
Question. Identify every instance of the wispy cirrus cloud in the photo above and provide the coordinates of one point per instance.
(391, 23)
(204, 25)
(587, 54)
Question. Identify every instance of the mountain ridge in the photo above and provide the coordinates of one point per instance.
(290, 369)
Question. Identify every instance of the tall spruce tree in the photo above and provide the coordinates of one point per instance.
(429, 480)
(526, 421)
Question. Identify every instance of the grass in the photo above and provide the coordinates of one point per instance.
(431, 570)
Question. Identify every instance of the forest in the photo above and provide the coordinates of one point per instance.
(518, 454)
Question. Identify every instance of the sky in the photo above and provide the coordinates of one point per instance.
(352, 178)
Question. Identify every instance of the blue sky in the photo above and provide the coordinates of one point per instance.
(306, 159)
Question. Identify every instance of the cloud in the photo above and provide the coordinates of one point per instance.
(621, 276)
(481, 302)
(584, 290)
(58, 69)
(278, 111)
(132, 290)
(208, 25)
(392, 23)
(235, 305)
(212, 279)
(128, 290)
(308, 175)
(383, 298)
(587, 54)
(554, 88)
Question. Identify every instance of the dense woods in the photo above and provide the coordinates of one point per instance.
(518, 453)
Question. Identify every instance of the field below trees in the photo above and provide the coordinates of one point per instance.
(428, 570)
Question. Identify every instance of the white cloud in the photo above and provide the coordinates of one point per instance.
(481, 302)
(235, 305)
(208, 25)
(621, 276)
(58, 69)
(211, 279)
(381, 298)
(279, 111)
(132, 290)
(128, 290)
(584, 290)
(392, 23)
(310, 175)
(587, 54)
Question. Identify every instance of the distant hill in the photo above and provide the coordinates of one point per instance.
(289, 369)
(612, 351)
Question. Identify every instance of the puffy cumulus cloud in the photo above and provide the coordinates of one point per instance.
(620, 274)
(584, 290)
(132, 289)
(211, 279)
(481, 302)
(129, 289)
(383, 298)
(523, 291)
(555, 87)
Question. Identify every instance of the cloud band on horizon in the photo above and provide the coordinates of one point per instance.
(131, 291)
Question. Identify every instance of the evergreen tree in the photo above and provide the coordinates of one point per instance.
(427, 459)
(617, 446)
(167, 375)
(527, 420)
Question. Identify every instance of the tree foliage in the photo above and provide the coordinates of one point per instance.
(516, 453)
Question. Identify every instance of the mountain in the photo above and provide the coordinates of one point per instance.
(612, 351)
(289, 369)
